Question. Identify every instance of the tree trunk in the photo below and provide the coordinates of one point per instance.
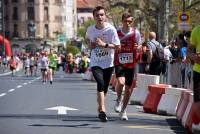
(163, 21)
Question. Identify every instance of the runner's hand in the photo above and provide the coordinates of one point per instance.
(99, 42)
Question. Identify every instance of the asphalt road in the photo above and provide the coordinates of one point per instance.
(68, 106)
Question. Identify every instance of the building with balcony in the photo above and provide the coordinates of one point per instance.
(31, 24)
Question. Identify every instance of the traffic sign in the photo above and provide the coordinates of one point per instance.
(184, 17)
(183, 20)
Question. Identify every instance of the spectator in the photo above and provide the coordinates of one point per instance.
(155, 67)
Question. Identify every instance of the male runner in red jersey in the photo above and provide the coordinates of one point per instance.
(125, 62)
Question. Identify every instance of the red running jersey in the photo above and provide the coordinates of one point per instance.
(127, 55)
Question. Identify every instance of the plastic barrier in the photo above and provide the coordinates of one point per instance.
(169, 101)
(191, 119)
(190, 116)
(187, 111)
(87, 76)
(153, 98)
(182, 105)
(140, 92)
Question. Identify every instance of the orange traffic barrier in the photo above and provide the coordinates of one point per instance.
(191, 119)
(182, 105)
(153, 97)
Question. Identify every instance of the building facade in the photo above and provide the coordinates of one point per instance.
(85, 8)
(31, 24)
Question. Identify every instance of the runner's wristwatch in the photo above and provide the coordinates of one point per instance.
(106, 45)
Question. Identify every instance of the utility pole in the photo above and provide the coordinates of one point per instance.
(183, 5)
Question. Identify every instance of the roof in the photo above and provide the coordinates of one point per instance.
(86, 3)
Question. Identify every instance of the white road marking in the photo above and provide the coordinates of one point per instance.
(29, 82)
(25, 83)
(2, 94)
(19, 86)
(61, 109)
(11, 90)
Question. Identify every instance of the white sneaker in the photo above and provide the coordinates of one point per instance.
(123, 116)
(196, 128)
(118, 106)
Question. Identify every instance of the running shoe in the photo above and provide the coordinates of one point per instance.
(103, 117)
(196, 129)
(118, 106)
(123, 116)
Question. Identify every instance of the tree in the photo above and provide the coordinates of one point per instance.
(72, 49)
(158, 15)
(82, 29)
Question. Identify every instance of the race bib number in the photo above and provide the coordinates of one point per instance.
(125, 58)
(101, 54)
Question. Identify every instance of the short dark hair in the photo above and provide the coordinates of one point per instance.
(97, 9)
(126, 15)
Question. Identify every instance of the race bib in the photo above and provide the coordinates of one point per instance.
(101, 54)
(125, 58)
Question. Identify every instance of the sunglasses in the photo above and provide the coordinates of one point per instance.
(128, 21)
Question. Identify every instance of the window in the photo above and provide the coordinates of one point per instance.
(46, 14)
(46, 30)
(14, 1)
(31, 1)
(31, 13)
(15, 31)
(58, 18)
(15, 13)
(46, 1)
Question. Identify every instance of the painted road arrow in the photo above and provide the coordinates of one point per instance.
(61, 109)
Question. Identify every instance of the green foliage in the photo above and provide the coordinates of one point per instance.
(116, 14)
(83, 28)
(151, 9)
(72, 49)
